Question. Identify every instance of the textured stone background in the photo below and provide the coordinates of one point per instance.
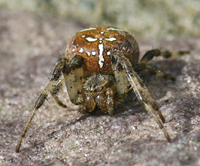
(29, 46)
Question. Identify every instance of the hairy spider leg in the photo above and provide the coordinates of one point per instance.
(73, 76)
(109, 95)
(55, 91)
(106, 105)
(139, 89)
(149, 55)
(147, 68)
(122, 81)
(49, 87)
(88, 103)
(58, 85)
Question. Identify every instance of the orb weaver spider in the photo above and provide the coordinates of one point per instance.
(99, 67)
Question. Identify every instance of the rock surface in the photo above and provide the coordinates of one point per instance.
(29, 47)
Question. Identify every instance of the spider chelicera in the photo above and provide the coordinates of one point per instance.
(100, 65)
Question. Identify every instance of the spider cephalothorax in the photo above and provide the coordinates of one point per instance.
(100, 66)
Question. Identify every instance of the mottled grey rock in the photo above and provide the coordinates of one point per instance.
(29, 47)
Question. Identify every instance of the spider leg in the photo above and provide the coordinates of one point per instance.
(106, 105)
(109, 94)
(149, 55)
(140, 90)
(122, 82)
(49, 87)
(87, 103)
(147, 68)
(58, 86)
(55, 91)
(73, 76)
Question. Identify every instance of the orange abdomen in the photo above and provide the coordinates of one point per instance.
(97, 44)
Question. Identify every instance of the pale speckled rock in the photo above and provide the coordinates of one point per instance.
(28, 51)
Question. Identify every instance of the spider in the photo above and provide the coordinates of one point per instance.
(99, 67)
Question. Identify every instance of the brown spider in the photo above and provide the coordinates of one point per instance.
(100, 66)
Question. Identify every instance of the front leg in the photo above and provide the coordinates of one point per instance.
(105, 101)
(86, 102)
(49, 87)
(139, 89)
(58, 86)
(147, 68)
(55, 91)
(73, 76)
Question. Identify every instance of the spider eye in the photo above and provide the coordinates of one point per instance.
(92, 89)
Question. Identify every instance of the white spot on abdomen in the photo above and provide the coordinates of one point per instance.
(81, 50)
(88, 53)
(110, 39)
(91, 39)
(113, 29)
(88, 29)
(101, 59)
(94, 53)
(108, 53)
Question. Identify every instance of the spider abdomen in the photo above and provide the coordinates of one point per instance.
(97, 44)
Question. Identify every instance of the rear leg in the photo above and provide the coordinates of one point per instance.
(149, 55)
(147, 68)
